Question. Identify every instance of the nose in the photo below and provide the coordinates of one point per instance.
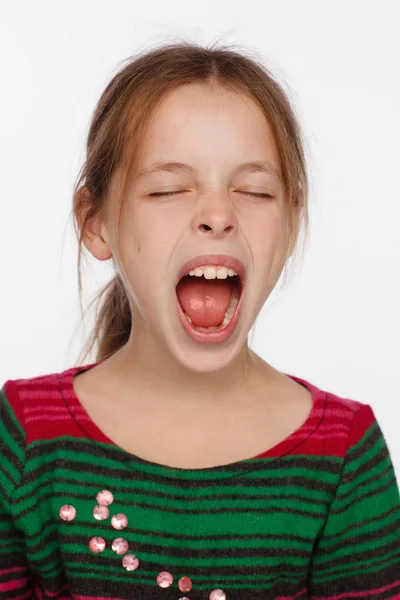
(215, 214)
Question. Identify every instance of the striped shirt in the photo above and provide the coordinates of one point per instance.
(316, 516)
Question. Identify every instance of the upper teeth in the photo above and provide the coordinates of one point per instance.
(212, 272)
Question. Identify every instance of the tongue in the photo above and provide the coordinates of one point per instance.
(205, 301)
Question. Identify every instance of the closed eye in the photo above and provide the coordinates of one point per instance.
(258, 195)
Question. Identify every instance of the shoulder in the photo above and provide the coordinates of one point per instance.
(342, 421)
(23, 392)
(31, 401)
(356, 417)
(20, 407)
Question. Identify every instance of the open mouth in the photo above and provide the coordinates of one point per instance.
(209, 305)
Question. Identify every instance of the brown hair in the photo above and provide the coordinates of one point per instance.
(119, 125)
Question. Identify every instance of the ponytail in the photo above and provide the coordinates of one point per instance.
(113, 321)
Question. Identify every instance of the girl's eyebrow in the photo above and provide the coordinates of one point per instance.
(177, 167)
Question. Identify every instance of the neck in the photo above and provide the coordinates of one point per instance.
(141, 371)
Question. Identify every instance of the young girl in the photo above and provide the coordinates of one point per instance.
(180, 465)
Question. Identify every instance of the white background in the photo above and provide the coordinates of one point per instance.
(336, 323)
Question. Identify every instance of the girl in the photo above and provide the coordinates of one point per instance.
(180, 465)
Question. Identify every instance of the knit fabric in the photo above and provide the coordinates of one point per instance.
(316, 516)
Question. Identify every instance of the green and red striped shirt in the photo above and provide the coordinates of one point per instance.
(316, 516)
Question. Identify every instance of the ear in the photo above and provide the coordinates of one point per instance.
(95, 236)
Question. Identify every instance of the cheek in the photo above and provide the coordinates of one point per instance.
(131, 249)
(145, 248)
(268, 244)
(269, 231)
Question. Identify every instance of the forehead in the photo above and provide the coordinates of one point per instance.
(197, 126)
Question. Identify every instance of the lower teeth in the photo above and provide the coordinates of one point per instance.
(227, 318)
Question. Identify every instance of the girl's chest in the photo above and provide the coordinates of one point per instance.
(189, 440)
(124, 534)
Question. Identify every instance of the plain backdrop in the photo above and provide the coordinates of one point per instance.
(336, 322)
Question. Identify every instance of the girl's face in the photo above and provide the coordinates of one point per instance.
(213, 131)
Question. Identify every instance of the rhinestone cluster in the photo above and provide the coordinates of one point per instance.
(120, 546)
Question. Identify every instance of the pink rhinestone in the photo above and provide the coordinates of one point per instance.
(105, 498)
(184, 598)
(119, 521)
(100, 512)
(67, 512)
(120, 546)
(217, 595)
(164, 579)
(185, 584)
(130, 562)
(97, 544)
